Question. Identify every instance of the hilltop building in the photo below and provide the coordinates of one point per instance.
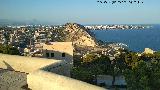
(58, 50)
(148, 51)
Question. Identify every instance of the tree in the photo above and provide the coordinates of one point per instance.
(89, 58)
(13, 51)
(82, 73)
(154, 80)
(93, 66)
(102, 65)
(1, 48)
(144, 76)
(157, 55)
(131, 58)
(147, 57)
(137, 78)
(7, 49)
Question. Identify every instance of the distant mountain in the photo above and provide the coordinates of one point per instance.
(16, 22)
(11, 22)
(4, 21)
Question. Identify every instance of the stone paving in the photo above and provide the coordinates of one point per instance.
(11, 80)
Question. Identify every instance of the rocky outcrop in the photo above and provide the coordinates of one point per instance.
(79, 36)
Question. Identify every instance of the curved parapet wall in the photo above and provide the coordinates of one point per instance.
(45, 74)
(42, 80)
(25, 64)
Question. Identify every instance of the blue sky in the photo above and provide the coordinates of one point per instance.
(80, 11)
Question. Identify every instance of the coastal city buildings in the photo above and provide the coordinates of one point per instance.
(47, 43)
(111, 27)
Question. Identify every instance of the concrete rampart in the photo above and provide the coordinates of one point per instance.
(42, 80)
(25, 64)
(45, 74)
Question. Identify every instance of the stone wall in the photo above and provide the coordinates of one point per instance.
(11, 80)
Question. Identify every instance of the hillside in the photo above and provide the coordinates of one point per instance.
(79, 36)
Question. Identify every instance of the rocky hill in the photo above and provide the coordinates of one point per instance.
(79, 36)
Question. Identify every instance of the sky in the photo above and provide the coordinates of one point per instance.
(81, 11)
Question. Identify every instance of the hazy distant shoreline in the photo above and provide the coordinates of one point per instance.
(117, 27)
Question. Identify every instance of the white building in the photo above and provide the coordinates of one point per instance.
(148, 51)
(58, 50)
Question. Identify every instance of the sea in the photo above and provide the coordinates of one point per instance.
(137, 40)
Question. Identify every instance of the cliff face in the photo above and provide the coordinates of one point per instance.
(78, 35)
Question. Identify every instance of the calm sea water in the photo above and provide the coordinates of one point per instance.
(137, 40)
